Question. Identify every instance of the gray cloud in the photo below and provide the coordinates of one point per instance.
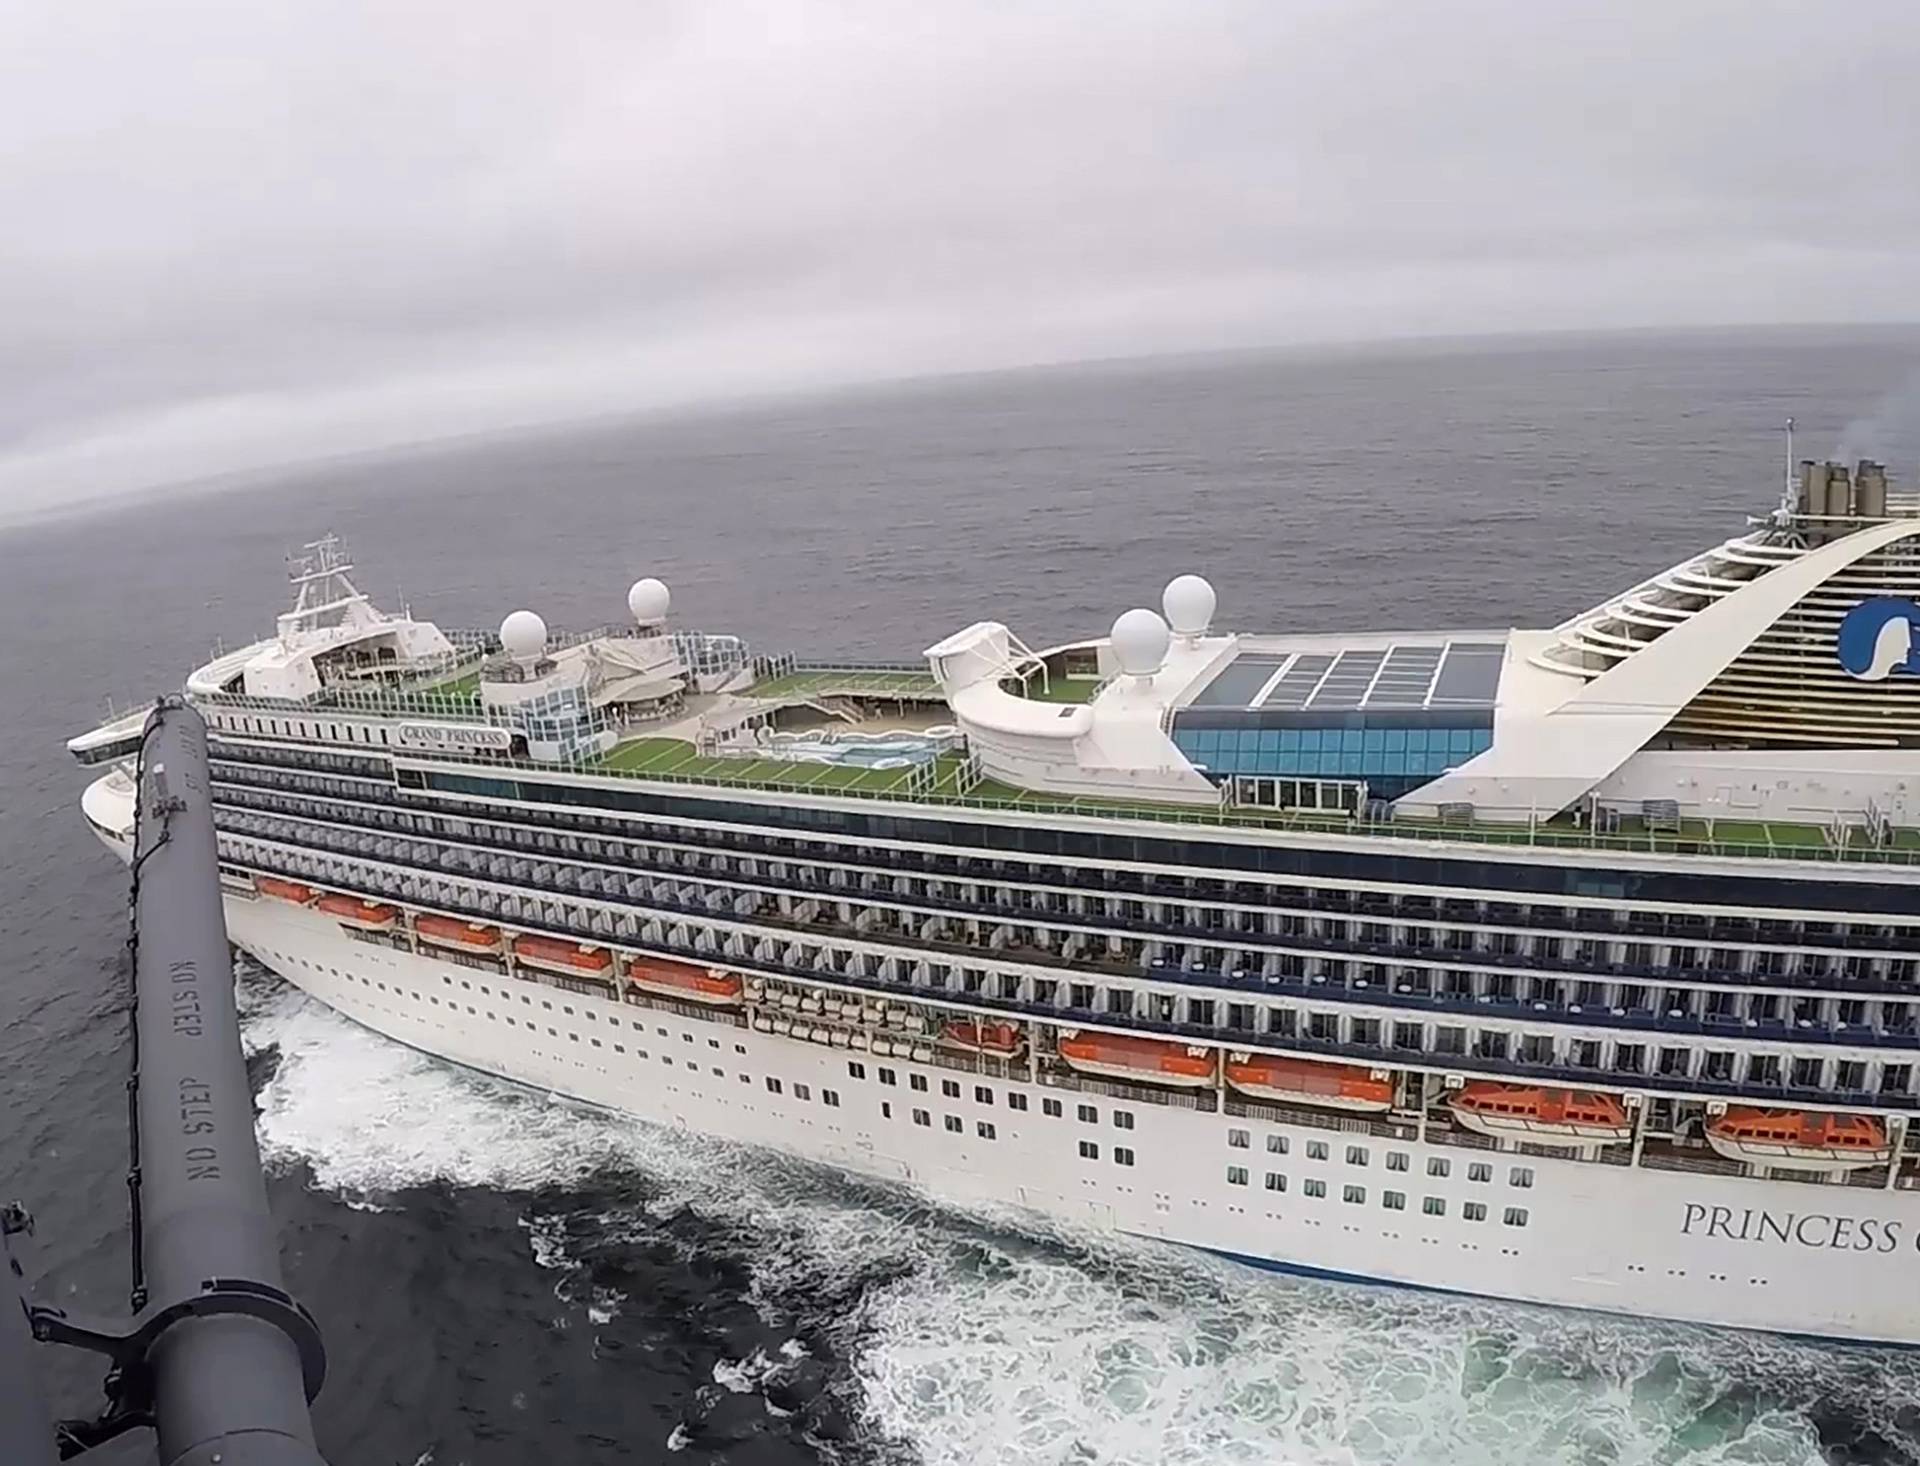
(233, 234)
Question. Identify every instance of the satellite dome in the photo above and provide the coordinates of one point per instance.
(524, 635)
(1188, 601)
(648, 601)
(1140, 641)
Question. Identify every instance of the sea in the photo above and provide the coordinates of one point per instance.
(504, 1277)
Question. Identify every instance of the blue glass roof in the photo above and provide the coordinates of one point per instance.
(1456, 674)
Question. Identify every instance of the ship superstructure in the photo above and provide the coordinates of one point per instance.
(1573, 965)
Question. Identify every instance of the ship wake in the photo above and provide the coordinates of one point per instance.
(904, 1331)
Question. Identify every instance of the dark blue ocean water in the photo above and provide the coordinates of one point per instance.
(503, 1279)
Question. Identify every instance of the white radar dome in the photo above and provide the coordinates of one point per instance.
(1188, 601)
(524, 635)
(648, 600)
(1140, 641)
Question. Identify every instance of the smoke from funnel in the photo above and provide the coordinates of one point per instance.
(1889, 432)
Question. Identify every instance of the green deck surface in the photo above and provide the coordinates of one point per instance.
(1064, 689)
(910, 686)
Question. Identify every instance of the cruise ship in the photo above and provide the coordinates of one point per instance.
(1574, 966)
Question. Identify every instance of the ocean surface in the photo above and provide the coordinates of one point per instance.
(505, 1278)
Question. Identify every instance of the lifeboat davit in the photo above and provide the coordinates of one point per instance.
(281, 890)
(999, 1039)
(462, 936)
(1800, 1140)
(552, 954)
(1143, 1060)
(1305, 1081)
(1550, 1116)
(371, 916)
(712, 985)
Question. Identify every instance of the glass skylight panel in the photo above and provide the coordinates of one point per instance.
(1236, 684)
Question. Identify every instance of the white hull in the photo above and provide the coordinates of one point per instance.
(1750, 1253)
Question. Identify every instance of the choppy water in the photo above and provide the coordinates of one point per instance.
(503, 1277)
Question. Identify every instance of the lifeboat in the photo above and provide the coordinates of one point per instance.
(1304, 1081)
(281, 890)
(552, 954)
(684, 980)
(1143, 1060)
(1549, 1116)
(371, 916)
(999, 1039)
(1800, 1140)
(462, 936)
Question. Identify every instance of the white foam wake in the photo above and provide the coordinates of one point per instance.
(970, 1341)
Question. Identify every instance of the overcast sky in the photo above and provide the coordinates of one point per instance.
(235, 233)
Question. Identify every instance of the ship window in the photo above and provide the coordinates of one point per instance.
(1016, 1101)
(801, 1091)
(984, 1128)
(773, 1085)
(617, 1048)
(1356, 1155)
(1237, 1139)
(1479, 1171)
(856, 1070)
(1276, 1145)
(1236, 1175)
(1521, 1175)
(921, 1117)
(1088, 1114)
(564, 1009)
(1515, 1216)
(982, 1095)
(1123, 1119)
(1394, 1200)
(1122, 1156)
(917, 1081)
(1434, 1206)
(1314, 1188)
(1353, 1194)
(1396, 1160)
(1316, 1150)
(1051, 1108)
(953, 1123)
(887, 1076)
(950, 1089)
(1276, 1181)
(744, 1078)
(1089, 1151)
(1474, 1211)
(886, 1107)
(1439, 1166)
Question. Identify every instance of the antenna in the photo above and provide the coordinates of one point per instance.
(1786, 492)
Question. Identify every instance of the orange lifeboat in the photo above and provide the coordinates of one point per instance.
(461, 936)
(372, 916)
(1305, 1081)
(1551, 1116)
(281, 890)
(669, 979)
(575, 959)
(1800, 1140)
(1147, 1060)
(999, 1039)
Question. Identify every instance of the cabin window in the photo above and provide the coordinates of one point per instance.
(800, 1091)
(1276, 1181)
(953, 1123)
(886, 1107)
(773, 1085)
(1474, 1211)
(1356, 1155)
(1016, 1101)
(1521, 1176)
(921, 1117)
(1515, 1216)
(1314, 1188)
(1439, 1166)
(887, 1076)
(1394, 1200)
(982, 1095)
(1396, 1160)
(856, 1070)
(1316, 1150)
(1434, 1206)
(1089, 1151)
(1088, 1115)
(950, 1088)
(1353, 1195)
(917, 1081)
(984, 1129)
(1123, 1119)
(1276, 1145)
(1479, 1171)
(1050, 1108)
(1237, 1140)
(1122, 1156)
